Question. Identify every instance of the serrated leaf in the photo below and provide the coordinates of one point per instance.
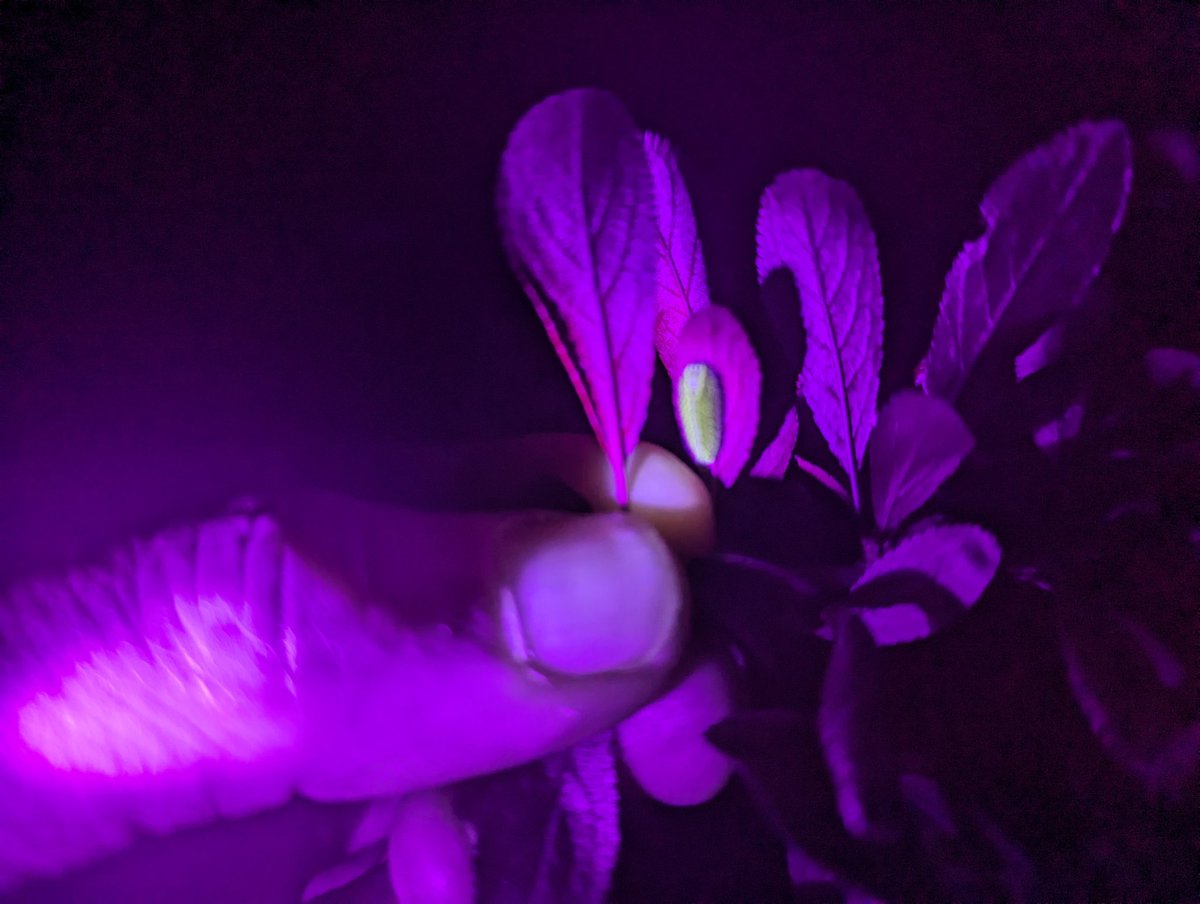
(576, 211)
(717, 392)
(961, 559)
(918, 443)
(1168, 366)
(816, 227)
(681, 283)
(775, 458)
(548, 831)
(1049, 221)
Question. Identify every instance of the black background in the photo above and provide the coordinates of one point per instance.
(240, 243)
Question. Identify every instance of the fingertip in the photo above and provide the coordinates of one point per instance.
(589, 595)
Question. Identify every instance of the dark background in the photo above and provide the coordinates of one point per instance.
(251, 244)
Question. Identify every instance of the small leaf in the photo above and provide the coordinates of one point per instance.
(774, 461)
(1055, 432)
(823, 477)
(918, 443)
(1168, 366)
(548, 831)
(844, 722)
(960, 559)
(681, 283)
(576, 210)
(1041, 353)
(816, 227)
(717, 392)
(1049, 221)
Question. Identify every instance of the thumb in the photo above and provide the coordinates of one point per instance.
(431, 648)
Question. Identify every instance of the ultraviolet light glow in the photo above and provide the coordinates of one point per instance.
(195, 694)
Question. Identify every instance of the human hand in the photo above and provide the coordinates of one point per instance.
(338, 650)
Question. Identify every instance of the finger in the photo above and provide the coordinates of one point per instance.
(434, 648)
(544, 471)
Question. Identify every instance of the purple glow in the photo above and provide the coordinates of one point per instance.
(194, 694)
(682, 284)
(716, 342)
(962, 558)
(1062, 203)
(576, 211)
(919, 442)
(774, 461)
(816, 227)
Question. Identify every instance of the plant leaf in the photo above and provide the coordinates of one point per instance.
(918, 443)
(1049, 221)
(774, 461)
(816, 227)
(1040, 353)
(844, 722)
(1055, 432)
(717, 392)
(576, 211)
(681, 284)
(960, 559)
(548, 831)
(1168, 366)
(1127, 683)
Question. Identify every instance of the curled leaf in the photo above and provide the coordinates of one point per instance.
(576, 211)
(681, 284)
(774, 461)
(717, 392)
(816, 227)
(1049, 220)
(918, 443)
(902, 595)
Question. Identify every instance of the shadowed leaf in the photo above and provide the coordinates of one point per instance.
(816, 227)
(1049, 221)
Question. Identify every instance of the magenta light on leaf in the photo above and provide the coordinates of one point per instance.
(918, 442)
(961, 558)
(1041, 353)
(717, 392)
(576, 210)
(682, 287)
(1049, 222)
(816, 227)
(774, 461)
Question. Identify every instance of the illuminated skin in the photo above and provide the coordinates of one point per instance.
(335, 649)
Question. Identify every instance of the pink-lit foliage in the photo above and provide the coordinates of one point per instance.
(1049, 222)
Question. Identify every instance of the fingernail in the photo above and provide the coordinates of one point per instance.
(591, 594)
